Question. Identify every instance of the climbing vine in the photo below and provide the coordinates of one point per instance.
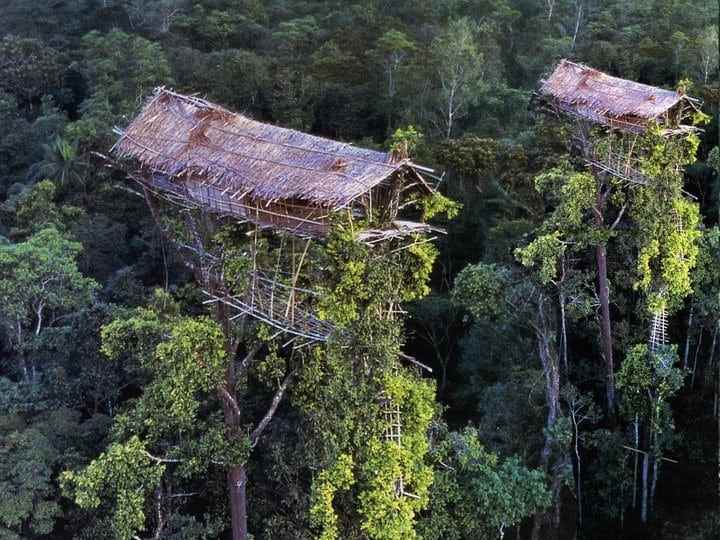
(343, 386)
(668, 222)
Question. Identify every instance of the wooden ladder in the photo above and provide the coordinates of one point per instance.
(393, 433)
(658, 331)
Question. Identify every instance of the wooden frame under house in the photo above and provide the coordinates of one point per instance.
(200, 154)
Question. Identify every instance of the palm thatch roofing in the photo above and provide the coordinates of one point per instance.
(590, 94)
(192, 140)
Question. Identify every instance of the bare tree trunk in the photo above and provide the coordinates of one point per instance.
(237, 482)
(551, 6)
(552, 396)
(236, 475)
(579, 474)
(563, 332)
(603, 290)
(653, 484)
(24, 368)
(578, 20)
(443, 378)
(713, 345)
(605, 327)
(635, 470)
(697, 351)
(645, 470)
(556, 491)
(644, 498)
(687, 337)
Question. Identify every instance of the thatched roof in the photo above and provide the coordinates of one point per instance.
(582, 91)
(192, 139)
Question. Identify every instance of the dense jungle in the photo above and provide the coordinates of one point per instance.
(517, 348)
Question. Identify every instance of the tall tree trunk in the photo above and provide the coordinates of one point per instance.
(24, 368)
(237, 474)
(603, 289)
(687, 337)
(697, 351)
(710, 370)
(551, 371)
(644, 488)
(605, 328)
(557, 485)
(579, 471)
(237, 482)
(653, 484)
(563, 331)
(648, 437)
(635, 470)
(443, 379)
(578, 20)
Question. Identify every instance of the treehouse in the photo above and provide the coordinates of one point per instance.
(625, 108)
(200, 154)
(586, 94)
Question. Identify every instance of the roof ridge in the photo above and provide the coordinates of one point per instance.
(616, 77)
(211, 105)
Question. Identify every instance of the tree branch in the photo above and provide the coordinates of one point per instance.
(230, 400)
(161, 460)
(176, 495)
(245, 362)
(619, 217)
(277, 398)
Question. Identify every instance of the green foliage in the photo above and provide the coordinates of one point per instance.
(185, 358)
(345, 394)
(183, 361)
(36, 446)
(61, 163)
(352, 72)
(38, 278)
(460, 66)
(357, 284)
(470, 156)
(438, 204)
(134, 336)
(706, 277)
(575, 194)
(192, 361)
(348, 263)
(385, 516)
(121, 476)
(121, 69)
(141, 63)
(480, 288)
(37, 209)
(28, 68)
(647, 380)
(404, 141)
(668, 223)
(544, 253)
(27, 458)
(475, 493)
(339, 477)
